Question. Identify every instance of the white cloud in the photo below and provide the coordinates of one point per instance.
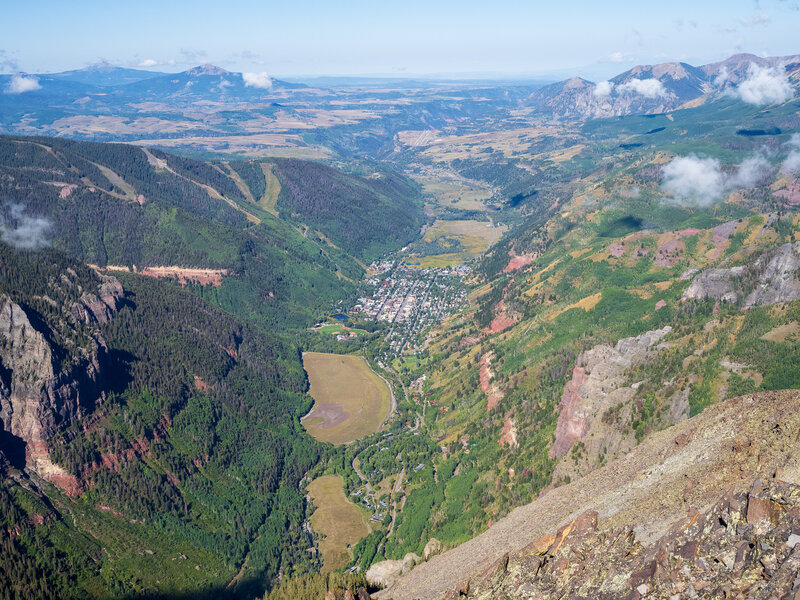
(764, 86)
(649, 88)
(148, 62)
(257, 80)
(603, 88)
(698, 181)
(792, 162)
(21, 83)
(751, 172)
(22, 231)
(618, 57)
(756, 19)
(722, 77)
(693, 180)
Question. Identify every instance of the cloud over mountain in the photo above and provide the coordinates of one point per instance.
(752, 172)
(792, 162)
(21, 83)
(603, 88)
(257, 80)
(23, 231)
(649, 88)
(764, 85)
(693, 180)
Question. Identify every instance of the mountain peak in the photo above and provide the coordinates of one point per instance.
(576, 83)
(207, 69)
(100, 66)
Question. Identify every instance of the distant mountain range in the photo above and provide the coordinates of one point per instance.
(103, 82)
(106, 74)
(109, 103)
(657, 88)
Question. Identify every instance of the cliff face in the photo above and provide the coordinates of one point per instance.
(46, 384)
(772, 278)
(597, 385)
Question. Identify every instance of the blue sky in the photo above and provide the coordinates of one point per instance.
(306, 37)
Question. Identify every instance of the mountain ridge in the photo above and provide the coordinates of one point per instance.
(687, 466)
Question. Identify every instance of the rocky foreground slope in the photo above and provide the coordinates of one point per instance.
(708, 507)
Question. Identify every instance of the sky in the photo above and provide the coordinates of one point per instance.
(387, 37)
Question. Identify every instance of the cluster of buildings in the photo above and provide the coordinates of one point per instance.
(411, 300)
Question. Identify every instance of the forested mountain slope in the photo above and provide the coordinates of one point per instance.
(160, 439)
(117, 205)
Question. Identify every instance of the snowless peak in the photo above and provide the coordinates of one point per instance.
(101, 66)
(575, 83)
(207, 69)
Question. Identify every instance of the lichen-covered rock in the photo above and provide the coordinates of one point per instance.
(719, 553)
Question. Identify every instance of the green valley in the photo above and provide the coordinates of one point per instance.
(279, 349)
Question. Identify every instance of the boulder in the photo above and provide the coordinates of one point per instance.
(382, 574)
(432, 548)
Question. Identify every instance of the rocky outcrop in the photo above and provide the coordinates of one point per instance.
(778, 281)
(44, 386)
(642, 499)
(386, 572)
(432, 548)
(718, 284)
(746, 545)
(772, 278)
(596, 386)
(100, 307)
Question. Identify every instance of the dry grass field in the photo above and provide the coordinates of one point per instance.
(454, 192)
(257, 145)
(339, 520)
(350, 401)
(474, 238)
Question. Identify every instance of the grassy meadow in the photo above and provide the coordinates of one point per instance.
(350, 401)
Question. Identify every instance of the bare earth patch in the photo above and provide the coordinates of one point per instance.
(518, 261)
(508, 435)
(671, 247)
(182, 274)
(493, 392)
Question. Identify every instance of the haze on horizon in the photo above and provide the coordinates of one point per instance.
(447, 38)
